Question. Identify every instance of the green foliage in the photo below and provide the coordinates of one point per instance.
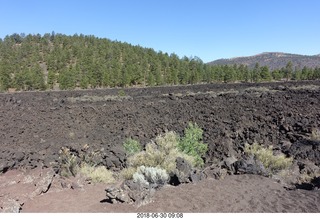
(191, 143)
(288, 70)
(81, 61)
(121, 93)
(51, 79)
(132, 146)
(162, 153)
(274, 163)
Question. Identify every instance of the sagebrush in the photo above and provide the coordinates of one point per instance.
(153, 175)
(274, 163)
(161, 153)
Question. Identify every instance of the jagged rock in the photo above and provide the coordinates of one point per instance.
(44, 182)
(285, 145)
(182, 174)
(196, 176)
(228, 162)
(314, 184)
(4, 167)
(215, 171)
(305, 149)
(130, 192)
(117, 195)
(249, 165)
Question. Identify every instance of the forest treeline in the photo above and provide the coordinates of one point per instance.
(57, 61)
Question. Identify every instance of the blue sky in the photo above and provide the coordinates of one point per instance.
(209, 29)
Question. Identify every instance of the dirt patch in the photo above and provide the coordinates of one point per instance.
(234, 194)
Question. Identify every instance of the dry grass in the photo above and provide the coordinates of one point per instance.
(87, 98)
(272, 162)
(306, 87)
(127, 173)
(315, 134)
(84, 164)
(96, 174)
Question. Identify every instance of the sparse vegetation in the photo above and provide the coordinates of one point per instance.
(162, 154)
(122, 93)
(132, 146)
(305, 87)
(87, 98)
(273, 163)
(84, 163)
(68, 162)
(164, 151)
(153, 175)
(315, 134)
(96, 174)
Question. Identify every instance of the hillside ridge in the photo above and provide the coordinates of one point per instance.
(274, 60)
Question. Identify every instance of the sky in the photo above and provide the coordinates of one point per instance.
(208, 29)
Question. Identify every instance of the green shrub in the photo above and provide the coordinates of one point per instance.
(273, 163)
(161, 154)
(192, 144)
(131, 146)
(164, 151)
(121, 93)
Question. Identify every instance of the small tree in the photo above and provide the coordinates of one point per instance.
(288, 70)
(265, 73)
(191, 143)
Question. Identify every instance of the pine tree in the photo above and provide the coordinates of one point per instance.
(5, 79)
(288, 70)
(265, 73)
(256, 73)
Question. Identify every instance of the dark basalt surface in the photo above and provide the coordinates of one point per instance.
(35, 125)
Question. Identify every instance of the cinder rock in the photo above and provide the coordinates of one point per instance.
(196, 176)
(131, 192)
(215, 171)
(249, 165)
(305, 149)
(228, 162)
(9, 205)
(44, 182)
(182, 174)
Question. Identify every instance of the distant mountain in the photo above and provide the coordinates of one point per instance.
(274, 60)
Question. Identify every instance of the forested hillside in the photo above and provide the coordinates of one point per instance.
(57, 61)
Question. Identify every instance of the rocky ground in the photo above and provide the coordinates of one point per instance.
(35, 125)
